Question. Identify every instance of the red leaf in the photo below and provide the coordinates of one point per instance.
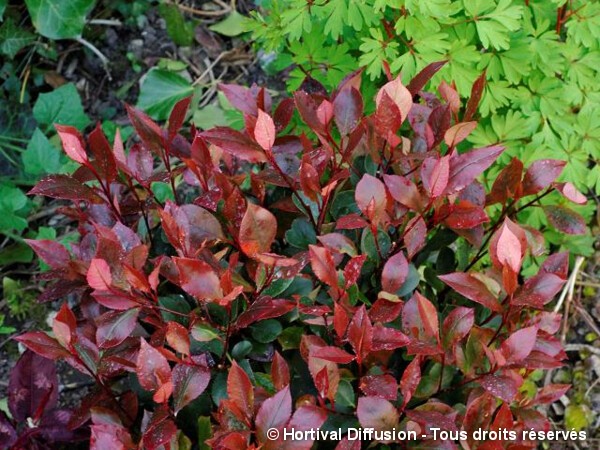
(508, 249)
(240, 392)
(283, 113)
(399, 94)
(64, 187)
(190, 227)
(565, 219)
(257, 230)
(347, 110)
(350, 222)
(114, 327)
(323, 265)
(51, 252)
(274, 413)
(280, 372)
(264, 131)
(105, 436)
(149, 132)
(307, 108)
(414, 238)
(420, 323)
(384, 386)
(153, 370)
(377, 413)
(468, 166)
(104, 158)
(113, 300)
(333, 354)
(507, 184)
(458, 133)
(475, 97)
(558, 264)
(42, 344)
(177, 116)
(72, 143)
(159, 431)
(264, 308)
(64, 325)
(519, 344)
(404, 191)
(457, 325)
(32, 387)
(540, 174)
(309, 179)
(240, 98)
(178, 337)
(463, 215)
(411, 377)
(352, 269)
(385, 311)
(472, 288)
(360, 333)
(189, 381)
(434, 175)
(505, 386)
(550, 393)
(8, 435)
(420, 80)
(370, 197)
(198, 279)
(235, 143)
(388, 118)
(385, 338)
(450, 95)
(394, 273)
(538, 290)
(305, 418)
(570, 192)
(98, 275)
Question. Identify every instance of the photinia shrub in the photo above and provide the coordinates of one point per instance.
(237, 281)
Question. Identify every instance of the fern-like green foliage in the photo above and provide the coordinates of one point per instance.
(541, 57)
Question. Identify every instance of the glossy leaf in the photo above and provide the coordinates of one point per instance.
(257, 230)
(565, 219)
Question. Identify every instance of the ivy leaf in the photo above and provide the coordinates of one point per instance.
(13, 38)
(160, 91)
(41, 156)
(61, 106)
(58, 19)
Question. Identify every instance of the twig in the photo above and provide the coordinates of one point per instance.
(587, 318)
(580, 347)
(209, 68)
(569, 287)
(97, 52)
(587, 283)
(107, 22)
(200, 12)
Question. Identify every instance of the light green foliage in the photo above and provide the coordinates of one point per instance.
(231, 26)
(13, 203)
(59, 19)
(542, 97)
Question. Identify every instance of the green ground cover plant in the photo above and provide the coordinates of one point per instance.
(541, 61)
(230, 281)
